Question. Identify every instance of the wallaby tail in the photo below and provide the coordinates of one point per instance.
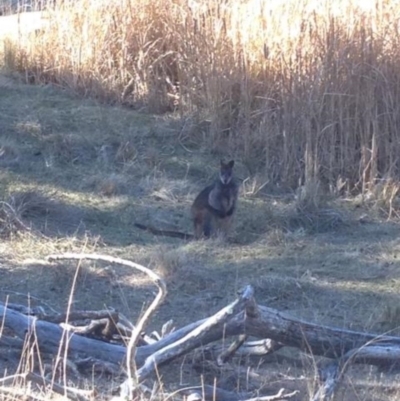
(165, 233)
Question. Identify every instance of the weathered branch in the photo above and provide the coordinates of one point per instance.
(162, 292)
(321, 340)
(212, 393)
(280, 327)
(330, 376)
(236, 319)
(195, 338)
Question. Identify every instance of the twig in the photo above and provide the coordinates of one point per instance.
(278, 396)
(162, 292)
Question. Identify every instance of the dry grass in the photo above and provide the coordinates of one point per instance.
(302, 95)
(306, 90)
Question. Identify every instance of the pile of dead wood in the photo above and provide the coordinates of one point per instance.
(96, 339)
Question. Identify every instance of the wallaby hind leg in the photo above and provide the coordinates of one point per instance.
(207, 225)
(224, 226)
(203, 224)
(198, 222)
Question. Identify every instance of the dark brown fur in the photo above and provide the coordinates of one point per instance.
(212, 210)
(214, 206)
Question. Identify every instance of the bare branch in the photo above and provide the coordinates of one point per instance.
(212, 393)
(194, 338)
(162, 292)
(332, 373)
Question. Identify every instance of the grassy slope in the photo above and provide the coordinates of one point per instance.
(54, 144)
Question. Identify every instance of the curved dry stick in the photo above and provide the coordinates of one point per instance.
(162, 292)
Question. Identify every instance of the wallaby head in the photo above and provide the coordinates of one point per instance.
(226, 172)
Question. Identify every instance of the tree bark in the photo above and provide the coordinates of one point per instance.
(263, 322)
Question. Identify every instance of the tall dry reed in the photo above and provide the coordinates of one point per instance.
(307, 89)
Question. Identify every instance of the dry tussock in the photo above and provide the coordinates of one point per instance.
(108, 185)
(39, 213)
(10, 222)
(21, 206)
(120, 153)
(312, 210)
(384, 197)
(33, 204)
(69, 149)
(169, 261)
(305, 89)
(282, 218)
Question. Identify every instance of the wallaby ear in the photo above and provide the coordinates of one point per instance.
(222, 163)
(231, 163)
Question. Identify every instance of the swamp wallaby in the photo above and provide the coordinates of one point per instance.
(212, 210)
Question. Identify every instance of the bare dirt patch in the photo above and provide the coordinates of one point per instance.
(82, 173)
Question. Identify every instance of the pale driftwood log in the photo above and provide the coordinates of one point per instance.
(48, 337)
(320, 340)
(312, 338)
(243, 317)
(11, 342)
(269, 323)
(194, 339)
(330, 376)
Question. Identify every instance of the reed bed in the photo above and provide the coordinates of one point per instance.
(303, 90)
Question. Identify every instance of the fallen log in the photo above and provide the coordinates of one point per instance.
(269, 323)
(194, 339)
(312, 338)
(331, 374)
(242, 318)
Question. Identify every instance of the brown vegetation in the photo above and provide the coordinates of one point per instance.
(302, 95)
(306, 90)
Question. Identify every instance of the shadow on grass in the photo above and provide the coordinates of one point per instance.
(201, 284)
(198, 290)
